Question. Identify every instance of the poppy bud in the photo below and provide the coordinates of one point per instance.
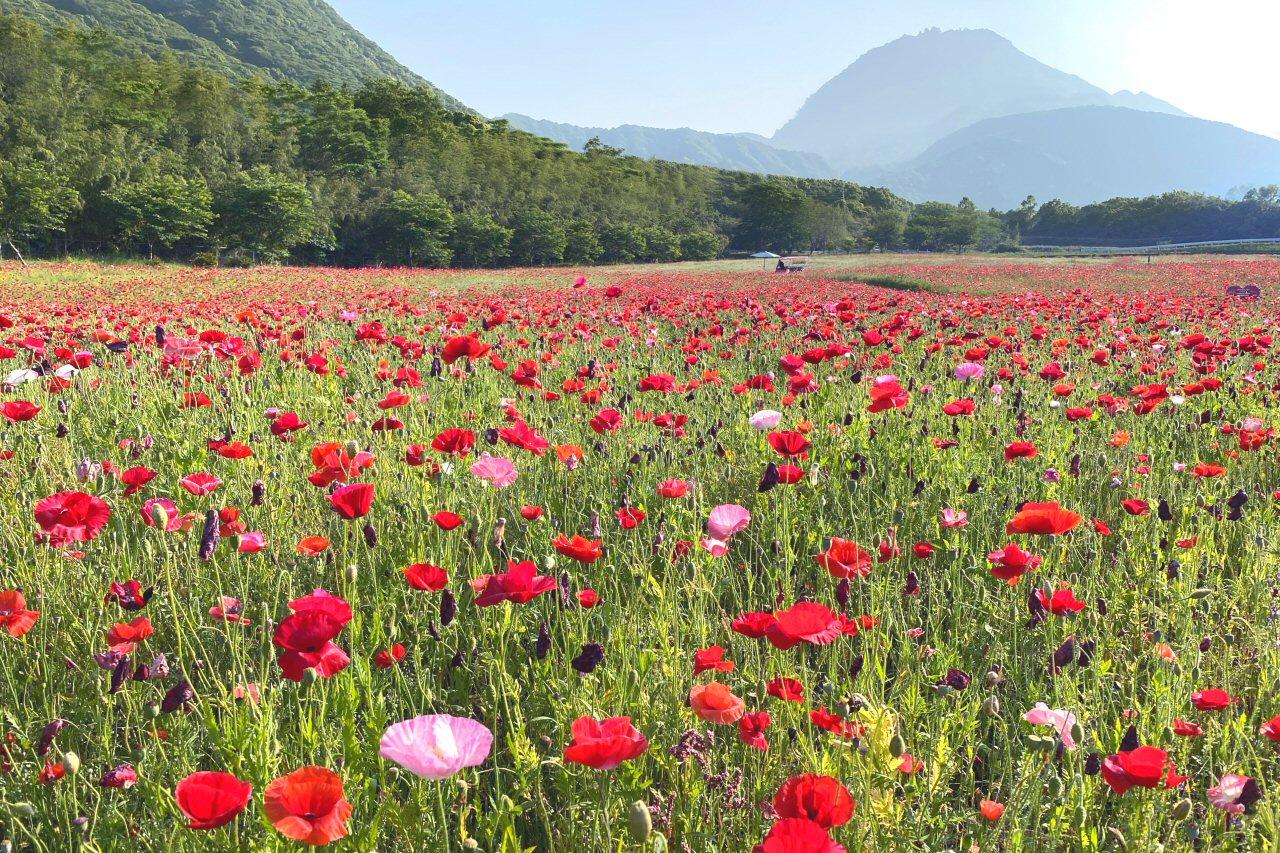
(448, 608)
(1205, 644)
(24, 810)
(1093, 764)
(991, 679)
(639, 821)
(842, 592)
(1118, 837)
(159, 336)
(897, 746)
(71, 762)
(543, 644)
(370, 536)
(208, 536)
(352, 572)
(1130, 740)
(310, 676)
(855, 667)
(991, 706)
(1181, 809)
(456, 661)
(259, 493)
(62, 431)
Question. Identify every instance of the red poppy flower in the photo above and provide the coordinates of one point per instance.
(17, 411)
(313, 546)
(1020, 450)
(604, 744)
(805, 622)
(390, 657)
(822, 799)
(844, 558)
(991, 810)
(530, 512)
(135, 478)
(786, 689)
(588, 598)
(1061, 602)
(124, 637)
(1213, 699)
(463, 346)
(790, 444)
(14, 616)
(1271, 729)
(211, 799)
(1143, 767)
(447, 520)
(798, 835)
(711, 658)
(578, 548)
(352, 501)
(454, 441)
(71, 517)
(1047, 519)
(426, 577)
(1135, 506)
(1184, 729)
(520, 584)
(673, 488)
(752, 728)
(308, 805)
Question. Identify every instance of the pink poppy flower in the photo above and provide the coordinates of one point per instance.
(436, 746)
(726, 520)
(499, 472)
(1062, 721)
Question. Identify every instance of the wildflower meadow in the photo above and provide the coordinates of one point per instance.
(923, 556)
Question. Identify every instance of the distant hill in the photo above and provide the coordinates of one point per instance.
(1082, 155)
(897, 100)
(299, 40)
(746, 152)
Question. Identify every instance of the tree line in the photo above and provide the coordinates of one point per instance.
(107, 151)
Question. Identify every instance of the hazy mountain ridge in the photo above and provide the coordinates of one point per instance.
(737, 151)
(896, 100)
(1081, 155)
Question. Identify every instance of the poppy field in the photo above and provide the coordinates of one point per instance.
(672, 558)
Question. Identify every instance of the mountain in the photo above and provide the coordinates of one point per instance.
(1082, 155)
(745, 152)
(897, 100)
(298, 40)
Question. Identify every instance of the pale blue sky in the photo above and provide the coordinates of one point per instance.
(733, 65)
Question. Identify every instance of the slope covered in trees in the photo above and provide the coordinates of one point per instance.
(101, 151)
(299, 40)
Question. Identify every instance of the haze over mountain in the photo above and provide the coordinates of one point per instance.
(897, 100)
(1081, 155)
(299, 40)
(739, 151)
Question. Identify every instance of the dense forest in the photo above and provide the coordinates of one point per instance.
(103, 150)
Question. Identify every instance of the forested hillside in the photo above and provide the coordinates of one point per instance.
(103, 151)
(299, 40)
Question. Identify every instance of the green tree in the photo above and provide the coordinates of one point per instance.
(478, 241)
(702, 245)
(661, 245)
(623, 243)
(264, 213)
(33, 199)
(162, 209)
(771, 216)
(886, 228)
(411, 230)
(539, 239)
(582, 244)
(338, 137)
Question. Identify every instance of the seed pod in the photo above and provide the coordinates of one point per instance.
(639, 821)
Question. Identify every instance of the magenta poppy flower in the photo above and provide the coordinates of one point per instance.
(498, 472)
